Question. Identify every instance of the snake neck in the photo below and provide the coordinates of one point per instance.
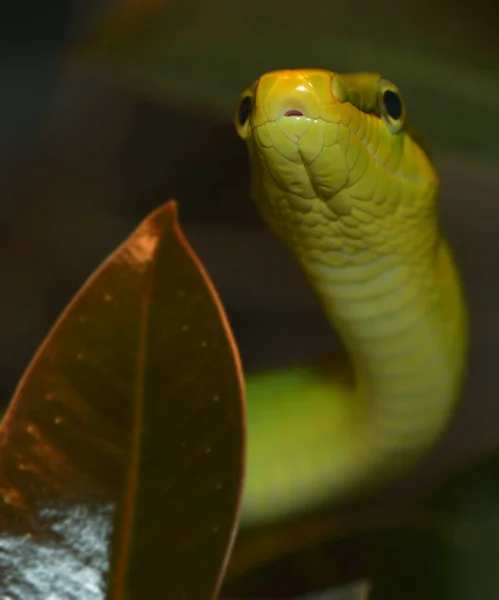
(386, 279)
(403, 326)
(401, 323)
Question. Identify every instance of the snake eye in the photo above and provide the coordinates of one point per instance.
(391, 106)
(245, 110)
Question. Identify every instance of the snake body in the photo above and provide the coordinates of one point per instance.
(341, 180)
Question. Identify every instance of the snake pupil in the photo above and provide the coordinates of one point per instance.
(393, 104)
(245, 109)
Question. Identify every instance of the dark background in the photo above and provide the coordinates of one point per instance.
(89, 147)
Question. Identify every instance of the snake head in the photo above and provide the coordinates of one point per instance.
(328, 149)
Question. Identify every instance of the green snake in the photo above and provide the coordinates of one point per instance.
(343, 182)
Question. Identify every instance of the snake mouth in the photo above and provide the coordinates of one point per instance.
(293, 113)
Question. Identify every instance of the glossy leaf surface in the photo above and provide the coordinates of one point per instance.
(122, 450)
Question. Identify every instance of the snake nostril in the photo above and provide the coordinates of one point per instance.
(293, 113)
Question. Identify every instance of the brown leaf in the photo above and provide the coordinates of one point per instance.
(122, 449)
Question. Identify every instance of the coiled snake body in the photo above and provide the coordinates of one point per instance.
(340, 179)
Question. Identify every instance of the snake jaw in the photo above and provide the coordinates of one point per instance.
(295, 132)
(303, 160)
